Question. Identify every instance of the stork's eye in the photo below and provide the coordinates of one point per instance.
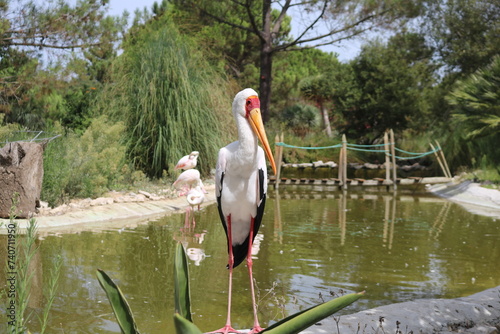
(248, 102)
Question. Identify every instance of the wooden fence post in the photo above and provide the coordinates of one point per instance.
(387, 161)
(444, 159)
(344, 162)
(439, 161)
(278, 159)
(393, 152)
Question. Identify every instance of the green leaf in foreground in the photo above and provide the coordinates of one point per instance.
(181, 281)
(119, 304)
(184, 326)
(304, 319)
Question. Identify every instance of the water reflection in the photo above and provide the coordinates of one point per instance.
(313, 244)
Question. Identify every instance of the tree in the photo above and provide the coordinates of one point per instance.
(387, 87)
(464, 33)
(290, 68)
(57, 25)
(300, 118)
(476, 102)
(28, 29)
(319, 90)
(342, 19)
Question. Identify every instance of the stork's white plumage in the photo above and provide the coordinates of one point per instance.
(241, 186)
(188, 161)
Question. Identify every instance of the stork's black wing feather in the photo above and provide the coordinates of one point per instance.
(219, 207)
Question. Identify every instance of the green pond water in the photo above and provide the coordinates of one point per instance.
(314, 243)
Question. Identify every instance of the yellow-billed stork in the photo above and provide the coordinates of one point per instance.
(241, 186)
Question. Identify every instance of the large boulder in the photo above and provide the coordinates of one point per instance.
(475, 314)
(21, 175)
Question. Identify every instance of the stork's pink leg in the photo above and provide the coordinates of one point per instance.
(256, 326)
(227, 328)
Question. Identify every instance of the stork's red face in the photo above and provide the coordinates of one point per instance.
(252, 103)
(252, 113)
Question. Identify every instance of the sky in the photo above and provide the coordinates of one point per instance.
(346, 51)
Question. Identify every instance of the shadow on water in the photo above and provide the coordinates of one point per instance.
(314, 243)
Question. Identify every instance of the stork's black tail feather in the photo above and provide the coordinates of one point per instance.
(240, 253)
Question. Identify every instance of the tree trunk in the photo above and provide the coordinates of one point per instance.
(326, 120)
(265, 83)
(266, 61)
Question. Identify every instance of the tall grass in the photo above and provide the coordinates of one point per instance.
(172, 102)
(23, 260)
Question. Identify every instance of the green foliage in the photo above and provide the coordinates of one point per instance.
(181, 282)
(463, 32)
(184, 326)
(290, 68)
(171, 101)
(476, 102)
(8, 132)
(57, 24)
(119, 304)
(392, 80)
(20, 262)
(86, 165)
(304, 319)
(35, 90)
(300, 118)
(474, 130)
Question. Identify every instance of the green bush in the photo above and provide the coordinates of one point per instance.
(301, 118)
(86, 165)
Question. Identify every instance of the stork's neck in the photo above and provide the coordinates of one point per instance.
(247, 148)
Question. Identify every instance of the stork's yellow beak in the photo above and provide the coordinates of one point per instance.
(258, 127)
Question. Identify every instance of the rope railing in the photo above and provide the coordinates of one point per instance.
(389, 150)
(307, 147)
(359, 147)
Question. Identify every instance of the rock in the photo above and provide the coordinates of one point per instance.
(21, 172)
(331, 164)
(317, 164)
(371, 166)
(140, 198)
(101, 201)
(59, 210)
(85, 203)
(478, 313)
(145, 193)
